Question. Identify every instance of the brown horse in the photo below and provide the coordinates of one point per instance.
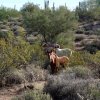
(56, 62)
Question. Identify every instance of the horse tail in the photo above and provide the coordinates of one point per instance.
(71, 52)
(67, 58)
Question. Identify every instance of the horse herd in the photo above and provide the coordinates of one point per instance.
(58, 58)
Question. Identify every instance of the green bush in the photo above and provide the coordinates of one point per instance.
(15, 52)
(38, 54)
(95, 93)
(6, 34)
(10, 76)
(65, 39)
(96, 57)
(5, 13)
(82, 72)
(84, 58)
(34, 95)
(77, 58)
(47, 22)
(21, 31)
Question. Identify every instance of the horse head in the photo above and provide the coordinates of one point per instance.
(52, 57)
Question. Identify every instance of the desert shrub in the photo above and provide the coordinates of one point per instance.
(65, 39)
(66, 86)
(91, 58)
(6, 34)
(24, 74)
(21, 31)
(95, 93)
(34, 73)
(96, 57)
(34, 95)
(84, 58)
(4, 22)
(14, 53)
(77, 58)
(5, 13)
(10, 76)
(1, 22)
(97, 32)
(38, 54)
(82, 72)
(94, 64)
(3, 26)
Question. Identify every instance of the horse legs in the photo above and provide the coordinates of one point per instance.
(53, 68)
(56, 69)
(62, 66)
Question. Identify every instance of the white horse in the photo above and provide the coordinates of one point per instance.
(64, 52)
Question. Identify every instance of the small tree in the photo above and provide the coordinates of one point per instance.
(48, 22)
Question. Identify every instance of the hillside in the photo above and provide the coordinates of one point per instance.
(87, 37)
(30, 67)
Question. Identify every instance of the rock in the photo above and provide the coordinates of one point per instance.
(79, 37)
(79, 32)
(4, 33)
(16, 33)
(4, 27)
(1, 23)
(14, 28)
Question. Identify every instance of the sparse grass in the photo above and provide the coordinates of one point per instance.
(33, 95)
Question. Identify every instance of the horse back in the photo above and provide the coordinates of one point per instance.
(64, 52)
(63, 59)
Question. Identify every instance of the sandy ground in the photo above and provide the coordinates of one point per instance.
(8, 93)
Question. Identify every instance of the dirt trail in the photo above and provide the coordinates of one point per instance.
(8, 93)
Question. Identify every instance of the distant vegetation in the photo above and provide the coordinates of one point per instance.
(88, 10)
(6, 13)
